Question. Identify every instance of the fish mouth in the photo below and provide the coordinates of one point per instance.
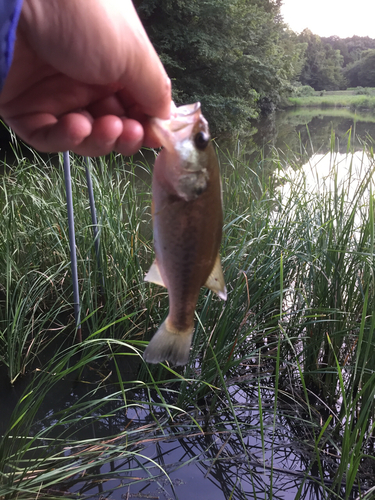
(179, 126)
(184, 114)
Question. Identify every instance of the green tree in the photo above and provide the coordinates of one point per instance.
(232, 55)
(350, 48)
(362, 72)
(323, 64)
(293, 56)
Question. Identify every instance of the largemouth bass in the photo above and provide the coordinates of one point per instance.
(187, 221)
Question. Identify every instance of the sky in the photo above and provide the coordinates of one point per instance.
(343, 18)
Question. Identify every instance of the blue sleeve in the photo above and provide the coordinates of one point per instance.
(9, 15)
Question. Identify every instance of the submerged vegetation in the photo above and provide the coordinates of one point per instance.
(279, 391)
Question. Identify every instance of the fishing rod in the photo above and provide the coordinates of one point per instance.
(72, 237)
(72, 243)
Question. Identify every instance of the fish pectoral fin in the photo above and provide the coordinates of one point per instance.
(215, 281)
(154, 276)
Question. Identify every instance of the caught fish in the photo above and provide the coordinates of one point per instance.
(187, 220)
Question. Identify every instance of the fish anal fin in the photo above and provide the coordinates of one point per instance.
(154, 276)
(215, 281)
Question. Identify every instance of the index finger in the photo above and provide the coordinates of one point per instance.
(148, 87)
(144, 79)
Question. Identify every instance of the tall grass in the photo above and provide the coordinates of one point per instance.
(283, 368)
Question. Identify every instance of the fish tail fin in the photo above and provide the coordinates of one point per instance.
(169, 344)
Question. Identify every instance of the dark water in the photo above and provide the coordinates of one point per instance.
(217, 465)
(221, 466)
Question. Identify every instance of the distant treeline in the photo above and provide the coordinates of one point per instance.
(239, 58)
(335, 63)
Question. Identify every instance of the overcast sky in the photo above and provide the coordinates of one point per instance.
(343, 18)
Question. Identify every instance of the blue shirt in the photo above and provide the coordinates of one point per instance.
(9, 15)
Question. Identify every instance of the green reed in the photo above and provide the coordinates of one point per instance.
(294, 339)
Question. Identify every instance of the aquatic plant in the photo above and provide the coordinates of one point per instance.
(284, 365)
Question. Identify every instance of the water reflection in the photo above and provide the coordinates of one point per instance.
(310, 130)
(232, 461)
(332, 171)
(124, 450)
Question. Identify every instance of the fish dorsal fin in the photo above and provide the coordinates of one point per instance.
(154, 276)
(215, 281)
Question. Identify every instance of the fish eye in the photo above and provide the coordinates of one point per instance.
(201, 140)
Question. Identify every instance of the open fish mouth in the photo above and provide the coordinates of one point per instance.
(184, 115)
(179, 126)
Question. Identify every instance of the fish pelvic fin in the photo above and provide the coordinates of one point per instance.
(154, 276)
(169, 345)
(215, 281)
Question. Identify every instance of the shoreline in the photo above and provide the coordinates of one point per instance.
(340, 100)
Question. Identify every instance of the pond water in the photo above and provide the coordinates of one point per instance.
(330, 172)
(264, 465)
(217, 465)
(311, 129)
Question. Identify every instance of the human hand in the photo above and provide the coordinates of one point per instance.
(85, 78)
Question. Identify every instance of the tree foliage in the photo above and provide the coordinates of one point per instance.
(335, 63)
(358, 59)
(238, 57)
(350, 48)
(234, 56)
(323, 64)
(362, 72)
